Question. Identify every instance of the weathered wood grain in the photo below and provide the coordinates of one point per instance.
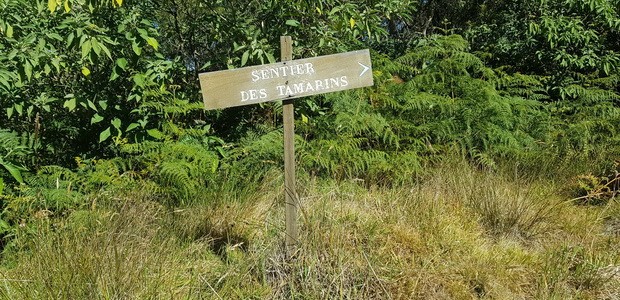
(290, 193)
(286, 79)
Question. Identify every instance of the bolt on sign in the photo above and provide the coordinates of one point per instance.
(286, 80)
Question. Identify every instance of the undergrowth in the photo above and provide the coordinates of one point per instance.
(459, 233)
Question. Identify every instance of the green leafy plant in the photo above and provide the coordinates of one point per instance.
(348, 141)
(13, 153)
(447, 95)
(78, 69)
(180, 168)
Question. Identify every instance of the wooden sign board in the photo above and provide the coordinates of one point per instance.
(286, 80)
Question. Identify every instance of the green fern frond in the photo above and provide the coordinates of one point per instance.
(181, 168)
(13, 145)
(609, 82)
(145, 147)
(587, 95)
(174, 107)
(176, 174)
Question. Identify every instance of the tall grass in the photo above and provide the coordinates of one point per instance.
(122, 252)
(459, 233)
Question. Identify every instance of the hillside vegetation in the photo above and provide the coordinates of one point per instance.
(483, 163)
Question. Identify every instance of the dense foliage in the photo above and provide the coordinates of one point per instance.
(99, 95)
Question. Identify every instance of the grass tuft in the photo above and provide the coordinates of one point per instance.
(460, 233)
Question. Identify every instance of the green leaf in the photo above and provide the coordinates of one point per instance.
(139, 80)
(9, 31)
(131, 127)
(116, 123)
(155, 134)
(293, 23)
(106, 50)
(114, 75)
(214, 164)
(70, 104)
(122, 63)
(1, 185)
(70, 38)
(56, 63)
(103, 104)
(5, 82)
(54, 35)
(606, 68)
(136, 48)
(19, 108)
(28, 69)
(9, 112)
(85, 71)
(12, 54)
(153, 42)
(17, 175)
(244, 58)
(51, 5)
(104, 135)
(208, 64)
(4, 226)
(92, 105)
(86, 46)
(270, 58)
(96, 119)
(95, 45)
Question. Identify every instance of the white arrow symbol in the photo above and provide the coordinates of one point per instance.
(366, 68)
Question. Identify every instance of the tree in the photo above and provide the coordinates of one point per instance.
(75, 75)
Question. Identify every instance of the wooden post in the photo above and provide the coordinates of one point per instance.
(290, 195)
(287, 80)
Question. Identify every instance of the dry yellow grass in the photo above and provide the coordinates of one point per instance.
(459, 234)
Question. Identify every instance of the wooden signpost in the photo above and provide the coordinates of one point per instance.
(287, 80)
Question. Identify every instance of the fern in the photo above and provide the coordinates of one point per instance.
(530, 87)
(175, 107)
(587, 96)
(13, 152)
(180, 168)
(353, 140)
(58, 177)
(256, 156)
(452, 97)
